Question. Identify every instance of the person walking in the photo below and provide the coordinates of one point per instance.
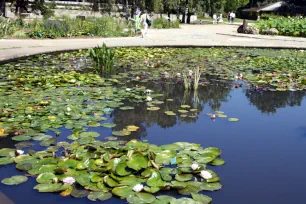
(214, 18)
(229, 17)
(137, 20)
(144, 19)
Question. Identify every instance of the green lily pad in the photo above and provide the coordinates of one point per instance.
(21, 138)
(51, 187)
(137, 162)
(79, 193)
(170, 113)
(83, 179)
(184, 201)
(14, 180)
(5, 152)
(183, 111)
(155, 180)
(46, 178)
(146, 197)
(233, 119)
(89, 134)
(185, 106)
(123, 191)
(153, 108)
(94, 196)
(201, 198)
(121, 133)
(183, 177)
(6, 160)
(109, 125)
(217, 162)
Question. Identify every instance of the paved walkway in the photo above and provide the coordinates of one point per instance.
(187, 36)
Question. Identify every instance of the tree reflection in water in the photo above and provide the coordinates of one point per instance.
(268, 102)
(212, 95)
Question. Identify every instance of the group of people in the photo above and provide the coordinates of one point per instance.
(142, 19)
(231, 17)
(219, 19)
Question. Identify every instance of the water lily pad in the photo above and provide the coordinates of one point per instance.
(201, 198)
(153, 108)
(126, 108)
(184, 201)
(14, 180)
(217, 162)
(5, 152)
(146, 197)
(46, 178)
(185, 106)
(22, 145)
(41, 137)
(76, 193)
(137, 161)
(183, 111)
(123, 132)
(51, 187)
(110, 182)
(233, 119)
(109, 125)
(123, 191)
(21, 138)
(183, 177)
(6, 160)
(89, 134)
(24, 166)
(132, 128)
(155, 180)
(163, 199)
(94, 196)
(170, 113)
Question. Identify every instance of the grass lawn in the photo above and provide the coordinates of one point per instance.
(237, 20)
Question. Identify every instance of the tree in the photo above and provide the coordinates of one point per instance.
(2, 8)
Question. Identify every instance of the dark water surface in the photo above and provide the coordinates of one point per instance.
(265, 152)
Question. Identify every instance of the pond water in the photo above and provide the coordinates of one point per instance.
(264, 152)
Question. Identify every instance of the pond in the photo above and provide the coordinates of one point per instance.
(47, 100)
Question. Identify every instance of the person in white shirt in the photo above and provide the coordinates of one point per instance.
(143, 20)
(232, 16)
(214, 18)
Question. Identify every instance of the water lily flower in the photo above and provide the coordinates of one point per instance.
(195, 166)
(148, 91)
(213, 116)
(149, 98)
(190, 72)
(206, 174)
(240, 76)
(68, 109)
(29, 116)
(19, 152)
(69, 180)
(178, 74)
(146, 62)
(165, 73)
(138, 187)
(127, 89)
(236, 77)
(294, 86)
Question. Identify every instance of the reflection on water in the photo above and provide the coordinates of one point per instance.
(269, 102)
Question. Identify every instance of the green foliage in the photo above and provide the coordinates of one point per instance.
(67, 27)
(286, 26)
(103, 58)
(160, 23)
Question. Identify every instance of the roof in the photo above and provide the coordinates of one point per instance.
(270, 7)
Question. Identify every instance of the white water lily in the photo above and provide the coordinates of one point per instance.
(213, 116)
(68, 109)
(148, 91)
(29, 116)
(19, 151)
(178, 74)
(206, 174)
(149, 98)
(69, 180)
(138, 187)
(190, 72)
(195, 167)
(127, 89)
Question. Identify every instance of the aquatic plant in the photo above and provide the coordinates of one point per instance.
(187, 81)
(197, 75)
(103, 58)
(135, 171)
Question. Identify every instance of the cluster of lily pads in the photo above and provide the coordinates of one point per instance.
(135, 171)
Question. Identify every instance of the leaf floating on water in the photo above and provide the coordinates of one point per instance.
(170, 113)
(169, 99)
(185, 106)
(233, 119)
(183, 111)
(123, 132)
(203, 199)
(222, 116)
(109, 125)
(153, 108)
(132, 128)
(14, 180)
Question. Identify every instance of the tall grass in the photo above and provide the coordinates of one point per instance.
(103, 58)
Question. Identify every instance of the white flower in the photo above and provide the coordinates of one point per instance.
(148, 91)
(240, 75)
(206, 174)
(29, 116)
(69, 180)
(213, 116)
(138, 187)
(301, 50)
(195, 167)
(165, 73)
(190, 73)
(149, 98)
(127, 89)
(236, 77)
(68, 109)
(19, 151)
(178, 74)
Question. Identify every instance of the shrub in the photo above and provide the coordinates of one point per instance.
(285, 25)
(160, 23)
